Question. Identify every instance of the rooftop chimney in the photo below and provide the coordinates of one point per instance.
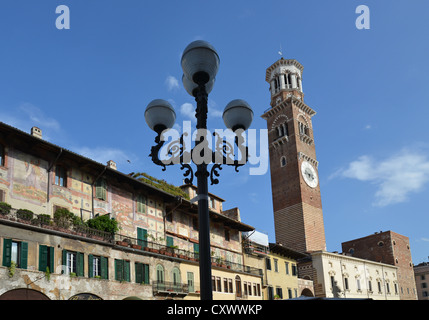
(111, 164)
(36, 132)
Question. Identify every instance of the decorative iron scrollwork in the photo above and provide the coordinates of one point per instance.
(188, 172)
(223, 154)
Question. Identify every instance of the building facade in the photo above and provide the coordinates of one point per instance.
(421, 273)
(297, 205)
(391, 248)
(342, 276)
(154, 255)
(282, 273)
(279, 265)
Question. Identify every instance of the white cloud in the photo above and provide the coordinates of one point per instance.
(26, 115)
(424, 239)
(213, 109)
(172, 83)
(395, 177)
(39, 118)
(188, 110)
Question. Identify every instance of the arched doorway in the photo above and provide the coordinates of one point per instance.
(132, 298)
(23, 294)
(238, 292)
(307, 293)
(85, 296)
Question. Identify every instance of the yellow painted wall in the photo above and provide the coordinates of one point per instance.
(222, 274)
(280, 278)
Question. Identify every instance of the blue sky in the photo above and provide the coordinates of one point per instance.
(87, 89)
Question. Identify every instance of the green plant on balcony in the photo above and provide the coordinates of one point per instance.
(44, 219)
(63, 217)
(103, 223)
(5, 208)
(25, 214)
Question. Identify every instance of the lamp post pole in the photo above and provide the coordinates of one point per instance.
(203, 204)
(200, 63)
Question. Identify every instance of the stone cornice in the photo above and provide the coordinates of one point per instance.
(290, 99)
(302, 155)
(282, 62)
(280, 141)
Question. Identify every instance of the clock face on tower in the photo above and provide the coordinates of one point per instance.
(309, 174)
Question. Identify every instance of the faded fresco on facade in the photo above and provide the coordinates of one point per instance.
(29, 178)
(76, 194)
(122, 210)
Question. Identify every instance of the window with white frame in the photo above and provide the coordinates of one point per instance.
(60, 176)
(71, 262)
(358, 284)
(96, 266)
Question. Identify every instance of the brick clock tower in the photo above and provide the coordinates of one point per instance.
(297, 205)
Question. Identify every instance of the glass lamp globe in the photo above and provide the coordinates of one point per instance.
(160, 115)
(200, 61)
(237, 115)
(190, 86)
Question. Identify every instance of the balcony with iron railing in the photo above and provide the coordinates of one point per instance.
(175, 252)
(45, 223)
(164, 288)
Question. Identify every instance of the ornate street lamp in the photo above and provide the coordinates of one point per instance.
(200, 63)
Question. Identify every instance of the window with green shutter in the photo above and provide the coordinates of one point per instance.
(196, 251)
(122, 270)
(79, 264)
(91, 266)
(141, 204)
(101, 189)
(23, 255)
(139, 272)
(73, 262)
(170, 241)
(97, 267)
(16, 251)
(119, 269)
(191, 287)
(46, 258)
(142, 273)
(142, 237)
(146, 274)
(104, 268)
(7, 252)
(175, 275)
(127, 276)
